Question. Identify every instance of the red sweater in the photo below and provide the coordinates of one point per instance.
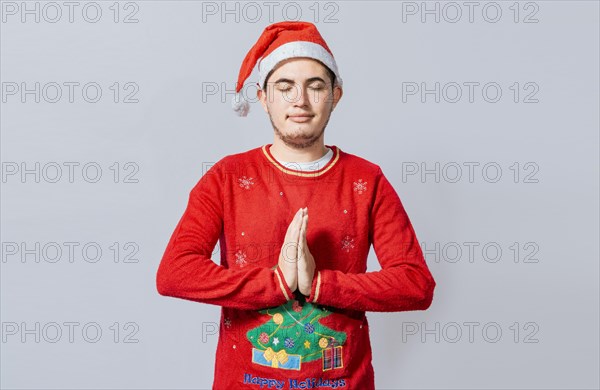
(269, 336)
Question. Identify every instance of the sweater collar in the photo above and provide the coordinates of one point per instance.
(330, 164)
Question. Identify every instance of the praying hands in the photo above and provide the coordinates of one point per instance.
(295, 260)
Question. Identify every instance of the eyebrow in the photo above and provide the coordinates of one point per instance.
(310, 80)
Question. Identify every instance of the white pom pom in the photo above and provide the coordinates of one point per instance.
(240, 105)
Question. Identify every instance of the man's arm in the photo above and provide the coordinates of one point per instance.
(404, 282)
(186, 270)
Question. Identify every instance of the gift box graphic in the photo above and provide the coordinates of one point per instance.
(332, 356)
(279, 359)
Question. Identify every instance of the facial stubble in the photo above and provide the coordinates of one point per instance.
(299, 140)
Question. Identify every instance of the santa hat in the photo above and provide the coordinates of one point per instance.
(278, 42)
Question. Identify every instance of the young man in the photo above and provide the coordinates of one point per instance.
(294, 293)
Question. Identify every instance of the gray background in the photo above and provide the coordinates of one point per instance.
(546, 309)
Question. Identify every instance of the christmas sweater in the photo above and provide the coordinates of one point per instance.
(269, 336)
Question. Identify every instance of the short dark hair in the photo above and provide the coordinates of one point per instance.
(329, 71)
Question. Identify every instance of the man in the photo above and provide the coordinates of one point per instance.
(293, 293)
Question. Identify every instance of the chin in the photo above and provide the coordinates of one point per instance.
(302, 132)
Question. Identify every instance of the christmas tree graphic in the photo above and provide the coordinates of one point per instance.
(292, 335)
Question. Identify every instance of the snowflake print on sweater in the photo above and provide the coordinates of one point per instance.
(245, 182)
(240, 259)
(347, 243)
(360, 186)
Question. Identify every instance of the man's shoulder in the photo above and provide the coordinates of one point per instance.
(358, 163)
(245, 156)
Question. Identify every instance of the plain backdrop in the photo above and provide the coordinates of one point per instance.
(486, 123)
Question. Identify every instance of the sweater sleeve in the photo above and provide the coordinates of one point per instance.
(404, 281)
(187, 271)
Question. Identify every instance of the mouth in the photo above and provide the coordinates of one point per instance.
(300, 118)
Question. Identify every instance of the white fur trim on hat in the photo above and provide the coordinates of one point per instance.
(297, 49)
(240, 105)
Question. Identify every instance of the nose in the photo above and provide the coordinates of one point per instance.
(300, 97)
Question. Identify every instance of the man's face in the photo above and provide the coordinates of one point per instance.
(299, 101)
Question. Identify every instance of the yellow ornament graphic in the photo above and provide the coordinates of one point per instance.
(278, 318)
(323, 342)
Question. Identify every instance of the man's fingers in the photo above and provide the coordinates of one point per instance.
(293, 231)
(292, 236)
(296, 225)
(297, 228)
(303, 231)
(300, 234)
(300, 220)
(302, 242)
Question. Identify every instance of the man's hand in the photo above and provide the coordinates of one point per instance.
(306, 261)
(288, 256)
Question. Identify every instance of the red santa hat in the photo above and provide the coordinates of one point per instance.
(280, 41)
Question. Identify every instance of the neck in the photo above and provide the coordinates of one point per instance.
(284, 152)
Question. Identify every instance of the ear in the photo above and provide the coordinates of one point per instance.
(337, 95)
(262, 97)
